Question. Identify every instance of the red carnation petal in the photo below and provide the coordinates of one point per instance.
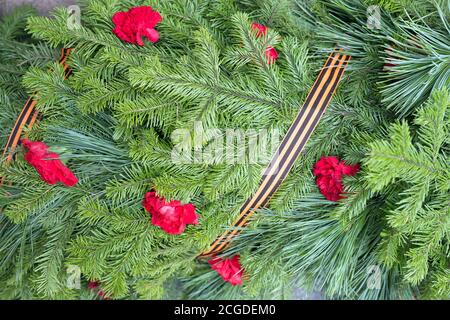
(119, 18)
(271, 55)
(67, 177)
(229, 269)
(189, 215)
(350, 170)
(139, 39)
(152, 203)
(123, 36)
(152, 35)
(145, 13)
(213, 261)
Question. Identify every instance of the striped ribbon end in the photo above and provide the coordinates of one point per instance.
(28, 116)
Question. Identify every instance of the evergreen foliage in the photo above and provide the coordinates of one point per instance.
(418, 226)
(113, 123)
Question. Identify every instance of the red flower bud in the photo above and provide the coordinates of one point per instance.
(261, 30)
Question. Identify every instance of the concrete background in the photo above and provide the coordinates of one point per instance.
(44, 6)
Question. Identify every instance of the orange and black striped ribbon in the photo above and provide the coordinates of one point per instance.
(29, 115)
(291, 146)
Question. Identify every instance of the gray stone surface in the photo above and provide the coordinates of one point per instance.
(43, 6)
(301, 294)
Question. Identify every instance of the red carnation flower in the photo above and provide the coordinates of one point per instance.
(171, 216)
(136, 23)
(329, 172)
(47, 164)
(229, 269)
(271, 54)
(261, 30)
